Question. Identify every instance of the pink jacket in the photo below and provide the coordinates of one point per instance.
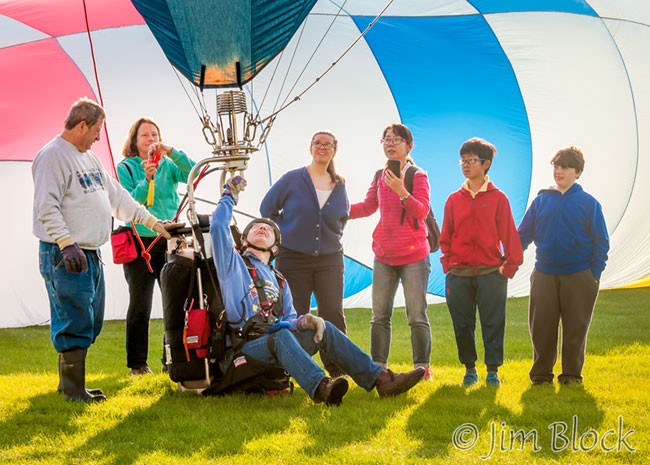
(393, 243)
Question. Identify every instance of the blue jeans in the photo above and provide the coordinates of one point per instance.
(76, 299)
(295, 348)
(385, 279)
(489, 293)
(322, 275)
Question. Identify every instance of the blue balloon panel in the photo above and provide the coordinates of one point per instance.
(505, 6)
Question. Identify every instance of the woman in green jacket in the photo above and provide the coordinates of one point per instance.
(154, 184)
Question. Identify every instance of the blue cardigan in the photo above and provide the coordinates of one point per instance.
(292, 203)
(569, 232)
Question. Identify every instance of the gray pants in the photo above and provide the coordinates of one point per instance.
(571, 300)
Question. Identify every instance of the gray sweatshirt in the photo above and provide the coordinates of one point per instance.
(75, 197)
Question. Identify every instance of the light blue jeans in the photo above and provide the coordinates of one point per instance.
(385, 279)
(76, 299)
(295, 348)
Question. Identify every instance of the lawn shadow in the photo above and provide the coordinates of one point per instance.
(555, 414)
(448, 409)
(175, 426)
(48, 415)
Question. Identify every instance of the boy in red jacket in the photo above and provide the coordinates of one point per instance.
(480, 251)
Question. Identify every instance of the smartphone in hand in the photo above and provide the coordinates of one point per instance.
(394, 166)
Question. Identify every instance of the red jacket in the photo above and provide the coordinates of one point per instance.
(393, 243)
(480, 231)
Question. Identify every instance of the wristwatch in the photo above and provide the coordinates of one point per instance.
(403, 199)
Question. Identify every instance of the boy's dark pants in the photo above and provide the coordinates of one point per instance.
(489, 293)
(571, 299)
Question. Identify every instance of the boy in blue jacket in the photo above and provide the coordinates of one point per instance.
(568, 228)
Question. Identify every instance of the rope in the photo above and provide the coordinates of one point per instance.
(99, 88)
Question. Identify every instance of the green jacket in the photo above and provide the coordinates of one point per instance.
(172, 170)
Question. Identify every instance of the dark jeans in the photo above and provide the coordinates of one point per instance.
(141, 283)
(489, 293)
(322, 275)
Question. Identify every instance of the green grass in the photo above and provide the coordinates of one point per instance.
(147, 420)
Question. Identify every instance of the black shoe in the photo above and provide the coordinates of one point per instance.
(331, 391)
(141, 370)
(391, 384)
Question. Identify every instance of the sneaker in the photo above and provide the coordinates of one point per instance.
(389, 383)
(143, 370)
(493, 379)
(427, 374)
(331, 391)
(470, 378)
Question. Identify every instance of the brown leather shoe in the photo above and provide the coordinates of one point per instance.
(391, 384)
(331, 391)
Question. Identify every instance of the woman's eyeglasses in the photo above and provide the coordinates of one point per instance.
(318, 145)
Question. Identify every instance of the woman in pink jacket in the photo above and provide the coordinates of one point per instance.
(401, 249)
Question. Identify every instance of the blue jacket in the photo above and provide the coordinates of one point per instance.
(237, 288)
(569, 231)
(292, 203)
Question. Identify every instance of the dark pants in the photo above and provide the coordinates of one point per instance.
(141, 283)
(571, 300)
(488, 293)
(322, 275)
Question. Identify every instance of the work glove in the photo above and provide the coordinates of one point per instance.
(74, 259)
(234, 186)
(316, 323)
(278, 326)
(160, 228)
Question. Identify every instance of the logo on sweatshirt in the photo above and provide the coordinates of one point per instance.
(90, 180)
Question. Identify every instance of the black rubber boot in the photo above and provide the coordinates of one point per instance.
(72, 366)
(91, 391)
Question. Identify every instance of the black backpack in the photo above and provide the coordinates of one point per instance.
(433, 230)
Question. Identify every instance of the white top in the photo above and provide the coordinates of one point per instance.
(323, 196)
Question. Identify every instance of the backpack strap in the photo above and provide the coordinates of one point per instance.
(408, 183)
(377, 176)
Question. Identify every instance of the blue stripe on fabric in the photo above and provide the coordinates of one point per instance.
(507, 6)
(453, 82)
(357, 277)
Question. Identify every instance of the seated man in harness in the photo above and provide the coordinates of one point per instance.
(286, 341)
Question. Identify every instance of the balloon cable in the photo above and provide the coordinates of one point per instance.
(297, 97)
(99, 88)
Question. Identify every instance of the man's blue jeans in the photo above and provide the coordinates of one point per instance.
(76, 299)
(385, 279)
(295, 348)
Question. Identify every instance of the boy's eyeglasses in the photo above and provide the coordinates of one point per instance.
(469, 161)
(393, 140)
(318, 145)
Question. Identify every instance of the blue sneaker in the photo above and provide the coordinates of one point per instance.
(493, 379)
(470, 378)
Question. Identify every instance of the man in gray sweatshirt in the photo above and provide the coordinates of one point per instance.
(74, 199)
